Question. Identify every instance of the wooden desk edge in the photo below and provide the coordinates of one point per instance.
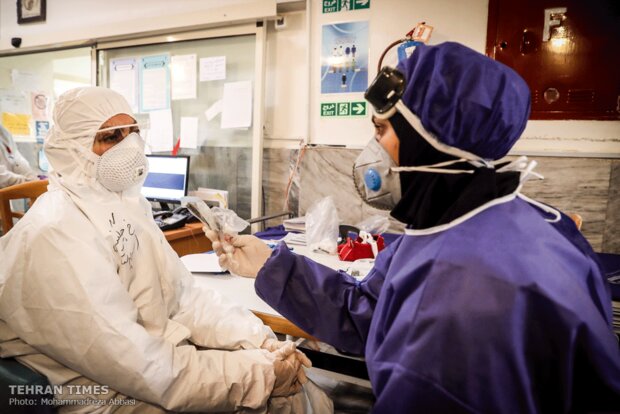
(190, 229)
(280, 325)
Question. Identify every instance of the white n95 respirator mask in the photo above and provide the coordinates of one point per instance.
(124, 165)
(374, 180)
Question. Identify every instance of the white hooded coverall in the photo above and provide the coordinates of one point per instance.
(91, 292)
(14, 169)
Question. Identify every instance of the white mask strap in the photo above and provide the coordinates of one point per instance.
(524, 166)
(435, 168)
(118, 127)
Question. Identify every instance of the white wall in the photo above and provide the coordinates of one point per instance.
(464, 21)
(72, 20)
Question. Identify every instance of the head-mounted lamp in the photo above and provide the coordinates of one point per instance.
(387, 89)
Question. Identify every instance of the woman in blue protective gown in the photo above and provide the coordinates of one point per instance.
(491, 302)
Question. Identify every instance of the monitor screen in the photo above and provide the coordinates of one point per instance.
(167, 178)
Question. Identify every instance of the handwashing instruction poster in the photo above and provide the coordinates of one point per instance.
(344, 57)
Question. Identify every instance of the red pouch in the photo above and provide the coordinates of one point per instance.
(351, 250)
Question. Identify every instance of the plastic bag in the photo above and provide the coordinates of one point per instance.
(229, 221)
(311, 400)
(221, 220)
(322, 224)
(376, 224)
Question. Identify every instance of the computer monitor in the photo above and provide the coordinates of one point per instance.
(167, 179)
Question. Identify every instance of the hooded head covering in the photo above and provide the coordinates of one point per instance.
(78, 115)
(465, 99)
(461, 104)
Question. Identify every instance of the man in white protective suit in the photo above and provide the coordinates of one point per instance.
(94, 298)
(14, 169)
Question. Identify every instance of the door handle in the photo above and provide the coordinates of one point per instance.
(528, 44)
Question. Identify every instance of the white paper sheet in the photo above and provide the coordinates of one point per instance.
(237, 105)
(214, 110)
(159, 136)
(13, 101)
(183, 74)
(155, 83)
(25, 81)
(124, 79)
(202, 263)
(212, 68)
(189, 132)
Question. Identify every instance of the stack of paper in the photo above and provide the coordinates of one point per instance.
(202, 263)
(218, 197)
(295, 239)
(295, 224)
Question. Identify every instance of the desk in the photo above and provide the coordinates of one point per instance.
(188, 239)
(241, 291)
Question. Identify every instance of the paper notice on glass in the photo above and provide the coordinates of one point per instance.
(212, 68)
(17, 124)
(159, 135)
(25, 81)
(38, 104)
(214, 110)
(124, 79)
(189, 132)
(237, 105)
(154, 83)
(183, 72)
(14, 102)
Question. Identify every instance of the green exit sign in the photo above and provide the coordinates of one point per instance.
(332, 6)
(357, 108)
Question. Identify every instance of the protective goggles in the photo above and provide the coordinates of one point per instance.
(385, 91)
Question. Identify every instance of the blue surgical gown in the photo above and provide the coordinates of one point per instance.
(502, 313)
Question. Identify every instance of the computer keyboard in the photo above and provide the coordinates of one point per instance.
(169, 220)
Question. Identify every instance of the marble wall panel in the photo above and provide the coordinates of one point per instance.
(575, 185)
(588, 186)
(278, 165)
(327, 172)
(611, 234)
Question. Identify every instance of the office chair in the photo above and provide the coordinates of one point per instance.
(30, 190)
(577, 219)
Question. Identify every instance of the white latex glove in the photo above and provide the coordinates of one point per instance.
(220, 244)
(242, 255)
(274, 345)
(287, 370)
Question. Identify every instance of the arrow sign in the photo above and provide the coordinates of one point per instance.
(359, 108)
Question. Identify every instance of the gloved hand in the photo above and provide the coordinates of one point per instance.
(287, 370)
(242, 255)
(274, 345)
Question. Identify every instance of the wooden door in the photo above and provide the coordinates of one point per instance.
(568, 51)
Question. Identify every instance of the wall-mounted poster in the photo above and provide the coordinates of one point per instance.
(154, 83)
(124, 79)
(344, 57)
